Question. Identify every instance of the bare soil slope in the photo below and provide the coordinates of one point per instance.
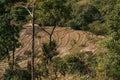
(68, 41)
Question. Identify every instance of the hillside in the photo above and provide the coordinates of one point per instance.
(86, 47)
(68, 41)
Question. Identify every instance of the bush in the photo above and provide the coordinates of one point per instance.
(77, 63)
(77, 25)
(17, 75)
(49, 51)
(98, 28)
(83, 15)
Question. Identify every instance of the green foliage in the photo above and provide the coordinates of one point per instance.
(20, 14)
(83, 15)
(53, 12)
(99, 17)
(110, 61)
(9, 31)
(17, 75)
(8, 35)
(77, 63)
(46, 66)
(82, 64)
(74, 64)
(8, 6)
(99, 28)
(105, 6)
(49, 51)
(114, 44)
(1, 8)
(60, 65)
(113, 22)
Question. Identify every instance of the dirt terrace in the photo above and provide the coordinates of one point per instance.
(68, 41)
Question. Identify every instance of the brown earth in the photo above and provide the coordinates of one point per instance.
(68, 41)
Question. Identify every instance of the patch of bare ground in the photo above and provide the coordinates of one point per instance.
(3, 66)
(68, 41)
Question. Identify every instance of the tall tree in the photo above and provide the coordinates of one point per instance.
(9, 32)
(9, 36)
(33, 32)
(30, 8)
(52, 13)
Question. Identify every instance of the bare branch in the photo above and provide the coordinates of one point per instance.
(53, 30)
(27, 10)
(22, 5)
(45, 30)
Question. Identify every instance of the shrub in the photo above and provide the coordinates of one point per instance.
(79, 63)
(98, 28)
(17, 75)
(75, 64)
(83, 15)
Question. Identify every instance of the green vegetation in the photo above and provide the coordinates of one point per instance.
(83, 15)
(17, 75)
(53, 12)
(111, 61)
(101, 17)
(9, 32)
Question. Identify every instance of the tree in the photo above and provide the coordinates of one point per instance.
(31, 13)
(17, 74)
(49, 52)
(9, 31)
(82, 15)
(111, 59)
(33, 33)
(114, 44)
(9, 37)
(52, 12)
(105, 6)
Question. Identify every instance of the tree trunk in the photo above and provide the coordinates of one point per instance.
(13, 63)
(51, 36)
(8, 55)
(50, 42)
(32, 54)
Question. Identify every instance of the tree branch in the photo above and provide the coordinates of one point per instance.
(53, 30)
(27, 10)
(45, 30)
